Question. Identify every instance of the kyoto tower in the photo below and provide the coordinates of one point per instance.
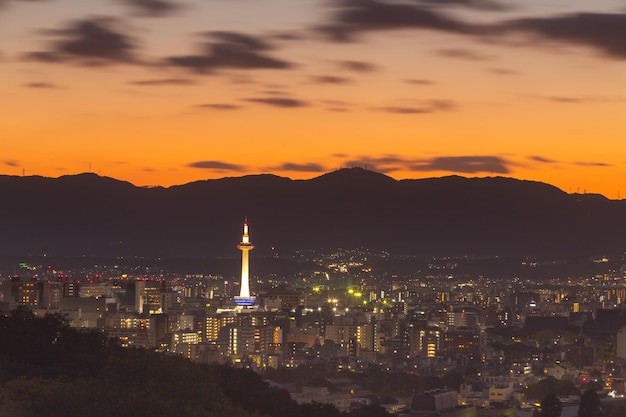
(245, 246)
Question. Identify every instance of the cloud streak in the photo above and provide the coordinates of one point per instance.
(456, 164)
(330, 79)
(359, 16)
(430, 106)
(10, 163)
(466, 54)
(152, 8)
(219, 106)
(216, 165)
(42, 85)
(229, 50)
(357, 66)
(485, 5)
(279, 101)
(164, 81)
(603, 31)
(92, 42)
(290, 166)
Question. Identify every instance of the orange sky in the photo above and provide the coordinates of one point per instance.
(163, 92)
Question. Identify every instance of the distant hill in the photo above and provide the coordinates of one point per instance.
(87, 214)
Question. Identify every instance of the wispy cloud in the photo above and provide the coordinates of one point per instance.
(216, 165)
(466, 54)
(428, 106)
(330, 79)
(464, 164)
(604, 31)
(456, 164)
(152, 8)
(10, 163)
(358, 16)
(219, 106)
(279, 101)
(485, 5)
(419, 81)
(593, 164)
(230, 50)
(581, 100)
(357, 66)
(503, 71)
(164, 81)
(544, 160)
(42, 85)
(291, 166)
(94, 42)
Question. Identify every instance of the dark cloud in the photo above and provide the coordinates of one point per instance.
(456, 164)
(357, 66)
(96, 41)
(486, 5)
(152, 8)
(43, 85)
(219, 165)
(330, 79)
(405, 110)
(603, 31)
(357, 16)
(430, 106)
(279, 101)
(218, 106)
(10, 163)
(418, 81)
(310, 167)
(230, 50)
(384, 164)
(463, 164)
(542, 159)
(592, 164)
(164, 81)
(460, 53)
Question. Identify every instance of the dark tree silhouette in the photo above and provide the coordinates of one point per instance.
(590, 405)
(551, 406)
(453, 380)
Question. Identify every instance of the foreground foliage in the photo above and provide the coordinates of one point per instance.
(48, 369)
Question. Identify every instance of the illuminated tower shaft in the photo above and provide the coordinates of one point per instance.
(245, 246)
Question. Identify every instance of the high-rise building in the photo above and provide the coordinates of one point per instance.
(245, 246)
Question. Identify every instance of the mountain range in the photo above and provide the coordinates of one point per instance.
(87, 214)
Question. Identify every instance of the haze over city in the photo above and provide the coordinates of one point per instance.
(163, 92)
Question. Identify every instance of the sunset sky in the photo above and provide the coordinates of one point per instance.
(164, 92)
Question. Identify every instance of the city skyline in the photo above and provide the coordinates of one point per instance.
(165, 92)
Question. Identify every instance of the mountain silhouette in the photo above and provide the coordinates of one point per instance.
(87, 214)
